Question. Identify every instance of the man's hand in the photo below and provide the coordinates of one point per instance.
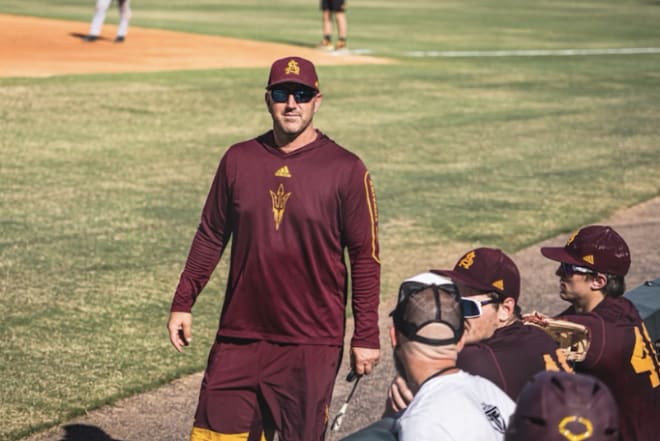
(180, 329)
(363, 360)
(398, 396)
(536, 318)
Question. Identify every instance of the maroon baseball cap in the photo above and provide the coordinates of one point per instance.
(293, 70)
(596, 247)
(558, 406)
(487, 269)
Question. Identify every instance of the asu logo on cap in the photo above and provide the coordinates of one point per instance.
(292, 68)
(467, 261)
(572, 237)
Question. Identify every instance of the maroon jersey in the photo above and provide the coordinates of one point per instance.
(512, 356)
(290, 217)
(622, 356)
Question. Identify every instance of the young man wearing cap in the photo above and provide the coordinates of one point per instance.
(592, 268)
(499, 346)
(449, 404)
(558, 406)
(291, 200)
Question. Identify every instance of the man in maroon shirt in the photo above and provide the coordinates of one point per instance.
(499, 347)
(292, 201)
(593, 264)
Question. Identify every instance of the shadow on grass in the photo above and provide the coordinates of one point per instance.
(83, 432)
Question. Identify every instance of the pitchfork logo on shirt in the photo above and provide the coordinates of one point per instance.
(279, 199)
(494, 417)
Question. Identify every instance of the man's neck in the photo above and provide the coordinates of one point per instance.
(288, 144)
(589, 303)
(426, 371)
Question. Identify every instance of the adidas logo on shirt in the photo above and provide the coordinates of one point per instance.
(283, 172)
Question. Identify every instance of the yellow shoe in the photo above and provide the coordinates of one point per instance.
(325, 45)
(341, 45)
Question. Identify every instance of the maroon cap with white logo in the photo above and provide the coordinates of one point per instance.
(487, 269)
(596, 247)
(293, 70)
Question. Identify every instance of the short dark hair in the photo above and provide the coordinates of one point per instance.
(615, 286)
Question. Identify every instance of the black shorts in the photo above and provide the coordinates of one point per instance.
(333, 5)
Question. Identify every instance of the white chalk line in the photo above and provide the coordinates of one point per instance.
(536, 52)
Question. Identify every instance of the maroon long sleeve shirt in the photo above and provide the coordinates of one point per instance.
(290, 218)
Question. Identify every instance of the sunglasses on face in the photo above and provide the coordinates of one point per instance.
(570, 269)
(281, 95)
(473, 308)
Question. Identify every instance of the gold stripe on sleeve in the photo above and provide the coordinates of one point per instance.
(370, 194)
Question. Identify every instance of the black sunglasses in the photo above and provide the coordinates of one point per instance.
(570, 269)
(300, 95)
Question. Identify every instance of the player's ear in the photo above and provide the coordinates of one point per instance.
(317, 102)
(598, 281)
(506, 310)
(392, 336)
(268, 101)
(461, 342)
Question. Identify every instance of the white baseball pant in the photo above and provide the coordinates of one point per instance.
(99, 16)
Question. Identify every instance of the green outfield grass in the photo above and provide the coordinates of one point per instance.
(103, 176)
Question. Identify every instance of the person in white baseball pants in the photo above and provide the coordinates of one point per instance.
(99, 17)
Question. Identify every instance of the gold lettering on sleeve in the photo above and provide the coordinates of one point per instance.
(279, 199)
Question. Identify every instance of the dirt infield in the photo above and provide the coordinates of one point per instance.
(165, 414)
(38, 47)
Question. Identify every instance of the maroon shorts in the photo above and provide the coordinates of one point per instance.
(251, 386)
(333, 5)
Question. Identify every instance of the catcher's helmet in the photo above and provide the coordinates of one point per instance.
(558, 406)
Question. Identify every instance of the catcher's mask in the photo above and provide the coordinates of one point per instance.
(420, 304)
(558, 406)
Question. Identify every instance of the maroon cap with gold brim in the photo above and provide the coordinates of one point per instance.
(293, 70)
(596, 247)
(486, 269)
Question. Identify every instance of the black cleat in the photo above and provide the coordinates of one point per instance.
(90, 38)
(120, 39)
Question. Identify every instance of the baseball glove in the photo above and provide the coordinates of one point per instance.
(572, 338)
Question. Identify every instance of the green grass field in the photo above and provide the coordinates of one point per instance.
(103, 176)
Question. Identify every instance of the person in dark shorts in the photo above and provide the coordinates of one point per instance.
(558, 406)
(292, 201)
(592, 268)
(338, 9)
(499, 346)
